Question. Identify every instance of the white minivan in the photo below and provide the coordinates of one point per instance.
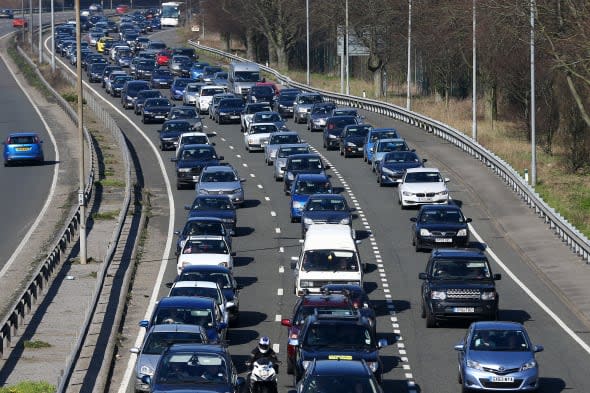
(329, 256)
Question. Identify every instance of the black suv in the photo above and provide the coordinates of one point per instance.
(325, 336)
(458, 283)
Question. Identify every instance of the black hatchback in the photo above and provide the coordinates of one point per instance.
(440, 226)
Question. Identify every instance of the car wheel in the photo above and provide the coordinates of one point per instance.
(178, 186)
(6, 163)
(277, 179)
(430, 320)
(459, 378)
(422, 310)
(290, 366)
(464, 389)
(161, 147)
(417, 247)
(143, 120)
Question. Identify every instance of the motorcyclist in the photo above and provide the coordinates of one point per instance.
(263, 350)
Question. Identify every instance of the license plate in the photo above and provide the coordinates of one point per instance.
(159, 117)
(339, 357)
(424, 199)
(496, 378)
(443, 240)
(195, 178)
(234, 117)
(23, 148)
(464, 309)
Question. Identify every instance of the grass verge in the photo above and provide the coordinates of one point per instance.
(36, 344)
(29, 387)
(109, 215)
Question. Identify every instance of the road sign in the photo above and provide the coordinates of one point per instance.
(355, 44)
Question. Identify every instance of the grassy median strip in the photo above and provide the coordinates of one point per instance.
(36, 344)
(29, 387)
(29, 73)
(109, 215)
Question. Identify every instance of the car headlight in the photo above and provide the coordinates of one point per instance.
(345, 221)
(224, 264)
(305, 284)
(146, 370)
(237, 190)
(184, 264)
(373, 366)
(444, 192)
(354, 283)
(251, 140)
(282, 106)
(307, 221)
(298, 205)
(407, 193)
(438, 295)
(332, 136)
(350, 144)
(202, 191)
(488, 295)
(424, 232)
(184, 169)
(386, 171)
(528, 365)
(462, 232)
(290, 176)
(306, 364)
(473, 364)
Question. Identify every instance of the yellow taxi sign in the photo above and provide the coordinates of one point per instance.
(339, 357)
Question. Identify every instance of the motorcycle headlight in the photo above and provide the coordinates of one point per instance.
(345, 221)
(462, 232)
(438, 295)
(373, 366)
(528, 365)
(488, 295)
(474, 365)
(146, 370)
(306, 364)
(307, 221)
(424, 232)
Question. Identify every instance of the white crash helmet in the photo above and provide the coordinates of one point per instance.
(264, 344)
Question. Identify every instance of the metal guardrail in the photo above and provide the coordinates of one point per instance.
(577, 241)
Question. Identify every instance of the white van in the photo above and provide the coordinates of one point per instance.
(206, 96)
(329, 256)
(242, 76)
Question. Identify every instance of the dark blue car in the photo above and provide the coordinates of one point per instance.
(190, 161)
(219, 206)
(440, 226)
(325, 209)
(203, 226)
(177, 87)
(394, 164)
(305, 185)
(190, 310)
(161, 78)
(23, 147)
(171, 131)
(352, 139)
(302, 163)
(195, 368)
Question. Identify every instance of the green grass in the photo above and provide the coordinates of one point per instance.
(29, 73)
(110, 215)
(29, 387)
(36, 344)
(108, 182)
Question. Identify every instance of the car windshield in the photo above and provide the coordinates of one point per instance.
(246, 76)
(211, 92)
(304, 312)
(499, 340)
(262, 129)
(288, 151)
(180, 59)
(200, 228)
(222, 279)
(340, 384)
(192, 369)
(197, 154)
(310, 99)
(23, 140)
(182, 315)
(218, 177)
(423, 177)
(348, 112)
(441, 216)
(262, 90)
(257, 108)
(266, 117)
(330, 261)
(322, 110)
(136, 88)
(391, 146)
(149, 94)
(181, 126)
(158, 342)
(192, 88)
(357, 131)
(230, 103)
(326, 204)
(312, 187)
(194, 140)
(196, 291)
(338, 336)
(212, 203)
(449, 269)
(341, 122)
(297, 164)
(401, 157)
(205, 246)
(188, 113)
(281, 139)
(158, 102)
(162, 73)
(180, 83)
(375, 136)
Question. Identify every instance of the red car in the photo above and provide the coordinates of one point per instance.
(19, 22)
(122, 9)
(326, 303)
(163, 57)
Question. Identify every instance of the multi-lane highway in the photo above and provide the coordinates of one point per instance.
(24, 188)
(417, 359)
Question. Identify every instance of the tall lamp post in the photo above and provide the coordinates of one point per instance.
(52, 38)
(408, 92)
(346, 50)
(307, 39)
(474, 82)
(533, 103)
(81, 196)
(40, 34)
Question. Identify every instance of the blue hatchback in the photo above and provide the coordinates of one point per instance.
(305, 185)
(23, 147)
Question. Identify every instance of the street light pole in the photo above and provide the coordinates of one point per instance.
(474, 82)
(408, 81)
(533, 101)
(52, 38)
(307, 38)
(81, 196)
(31, 24)
(346, 50)
(40, 34)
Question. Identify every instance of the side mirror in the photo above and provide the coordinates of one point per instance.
(212, 143)
(459, 347)
(242, 180)
(187, 207)
(177, 233)
(229, 304)
(169, 284)
(413, 219)
(447, 180)
(283, 168)
(497, 276)
(134, 350)
(233, 254)
(327, 166)
(221, 158)
(174, 159)
(538, 348)
(286, 322)
(144, 324)
(382, 343)
(468, 220)
(146, 379)
(423, 276)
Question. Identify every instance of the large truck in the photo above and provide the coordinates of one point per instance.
(242, 76)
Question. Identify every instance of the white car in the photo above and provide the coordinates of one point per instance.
(206, 96)
(421, 186)
(192, 138)
(257, 135)
(205, 250)
(190, 95)
(204, 289)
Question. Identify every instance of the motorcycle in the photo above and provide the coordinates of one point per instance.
(263, 376)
